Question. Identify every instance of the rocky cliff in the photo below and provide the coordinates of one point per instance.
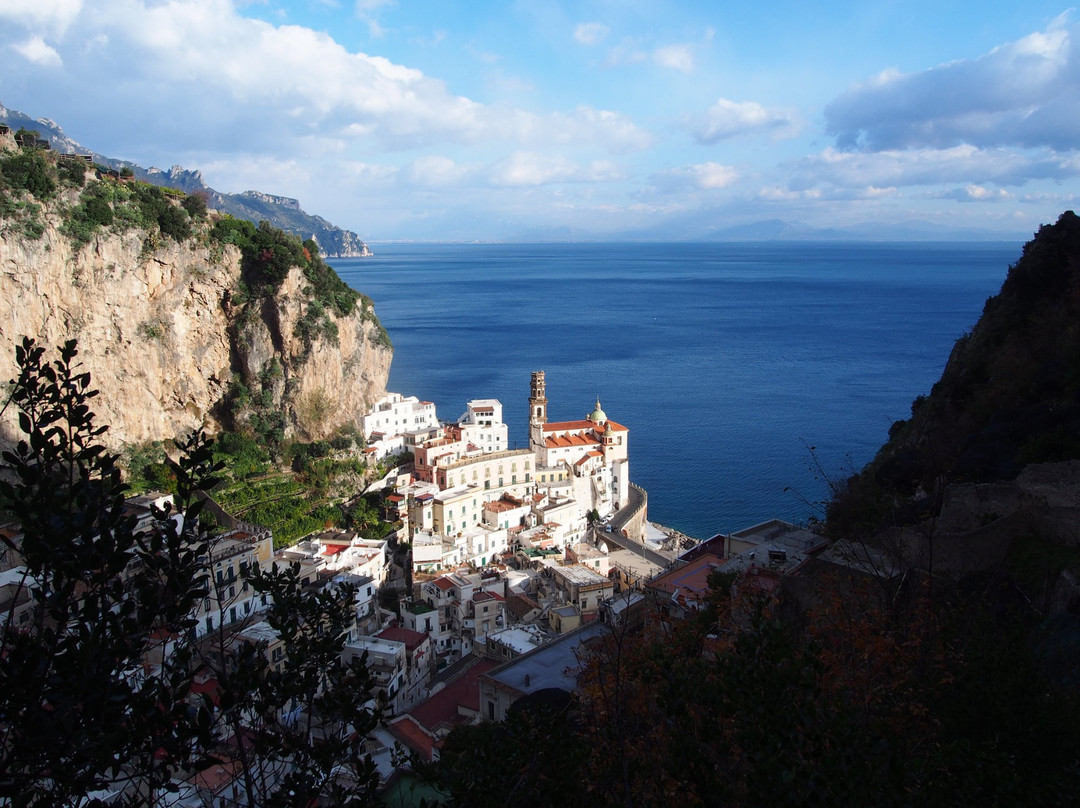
(169, 336)
(280, 211)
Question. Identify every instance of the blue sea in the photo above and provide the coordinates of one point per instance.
(750, 375)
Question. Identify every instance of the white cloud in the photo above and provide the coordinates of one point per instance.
(675, 57)
(587, 124)
(700, 177)
(837, 169)
(434, 172)
(975, 193)
(54, 16)
(776, 193)
(37, 51)
(524, 169)
(590, 33)
(266, 85)
(1024, 93)
(727, 119)
(1053, 200)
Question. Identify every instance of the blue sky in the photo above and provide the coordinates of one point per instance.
(508, 121)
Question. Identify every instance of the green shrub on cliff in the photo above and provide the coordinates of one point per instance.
(268, 255)
(25, 176)
(125, 205)
(29, 171)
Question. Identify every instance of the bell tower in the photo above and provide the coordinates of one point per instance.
(537, 409)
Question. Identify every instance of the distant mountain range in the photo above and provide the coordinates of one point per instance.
(694, 227)
(254, 206)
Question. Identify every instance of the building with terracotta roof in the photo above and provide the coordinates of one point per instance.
(683, 590)
(595, 450)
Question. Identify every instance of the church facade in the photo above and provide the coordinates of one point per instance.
(594, 451)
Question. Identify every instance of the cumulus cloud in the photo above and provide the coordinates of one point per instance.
(700, 177)
(1024, 93)
(590, 33)
(36, 50)
(245, 79)
(726, 119)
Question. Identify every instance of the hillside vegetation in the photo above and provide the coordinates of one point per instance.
(281, 212)
(1008, 397)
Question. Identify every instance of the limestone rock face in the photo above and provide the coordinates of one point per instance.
(158, 332)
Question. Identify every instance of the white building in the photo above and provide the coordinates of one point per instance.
(595, 450)
(391, 418)
(482, 425)
(388, 662)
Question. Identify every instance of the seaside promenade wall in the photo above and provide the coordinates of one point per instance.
(635, 523)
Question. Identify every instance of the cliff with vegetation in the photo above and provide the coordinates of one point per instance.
(282, 212)
(1009, 396)
(186, 318)
(984, 478)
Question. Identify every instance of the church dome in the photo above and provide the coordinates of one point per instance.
(598, 416)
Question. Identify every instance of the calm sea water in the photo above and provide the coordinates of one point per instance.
(728, 362)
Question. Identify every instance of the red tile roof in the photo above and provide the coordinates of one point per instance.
(564, 441)
(445, 709)
(412, 639)
(414, 736)
(691, 578)
(217, 776)
(567, 426)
